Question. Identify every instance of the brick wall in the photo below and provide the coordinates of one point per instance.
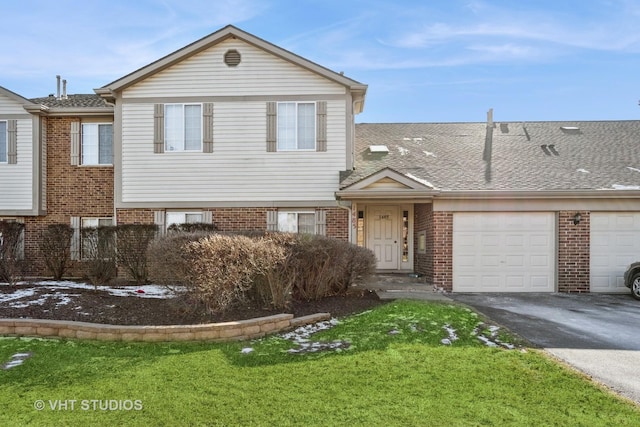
(573, 252)
(338, 223)
(442, 238)
(84, 191)
(422, 218)
(244, 219)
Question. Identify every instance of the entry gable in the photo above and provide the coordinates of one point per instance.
(388, 180)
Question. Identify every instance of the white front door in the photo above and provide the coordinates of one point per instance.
(383, 235)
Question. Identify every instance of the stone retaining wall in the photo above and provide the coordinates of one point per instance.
(227, 331)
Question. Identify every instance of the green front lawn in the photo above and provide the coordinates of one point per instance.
(396, 371)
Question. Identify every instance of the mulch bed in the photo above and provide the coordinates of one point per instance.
(100, 307)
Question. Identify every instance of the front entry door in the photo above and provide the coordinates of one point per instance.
(383, 235)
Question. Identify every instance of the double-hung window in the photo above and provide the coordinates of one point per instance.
(3, 142)
(97, 143)
(296, 126)
(297, 222)
(96, 244)
(178, 218)
(183, 127)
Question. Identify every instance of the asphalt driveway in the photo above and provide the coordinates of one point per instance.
(598, 334)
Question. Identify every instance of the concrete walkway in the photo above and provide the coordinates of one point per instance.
(403, 286)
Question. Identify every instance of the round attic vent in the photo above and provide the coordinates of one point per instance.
(232, 58)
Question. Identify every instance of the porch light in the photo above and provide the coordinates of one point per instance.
(577, 218)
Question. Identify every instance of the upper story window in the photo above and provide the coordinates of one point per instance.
(3, 142)
(183, 127)
(296, 126)
(97, 143)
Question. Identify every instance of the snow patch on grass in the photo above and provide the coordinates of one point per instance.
(301, 335)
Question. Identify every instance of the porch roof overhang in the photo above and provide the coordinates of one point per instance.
(388, 184)
(384, 194)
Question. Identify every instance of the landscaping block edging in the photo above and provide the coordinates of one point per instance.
(227, 331)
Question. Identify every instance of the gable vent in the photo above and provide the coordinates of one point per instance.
(232, 58)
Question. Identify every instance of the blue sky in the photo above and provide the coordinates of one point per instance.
(424, 61)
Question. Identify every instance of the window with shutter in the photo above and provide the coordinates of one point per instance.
(3, 142)
(183, 127)
(12, 142)
(303, 222)
(75, 143)
(97, 144)
(296, 126)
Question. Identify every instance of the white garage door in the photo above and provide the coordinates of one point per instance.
(615, 243)
(504, 252)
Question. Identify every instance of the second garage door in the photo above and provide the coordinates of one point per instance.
(504, 252)
(615, 243)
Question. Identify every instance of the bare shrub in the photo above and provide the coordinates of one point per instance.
(132, 243)
(193, 227)
(359, 264)
(274, 285)
(223, 268)
(99, 254)
(321, 266)
(167, 261)
(11, 251)
(56, 248)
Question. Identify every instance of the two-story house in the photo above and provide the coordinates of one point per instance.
(230, 129)
(234, 130)
(239, 132)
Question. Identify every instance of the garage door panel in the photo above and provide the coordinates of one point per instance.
(490, 282)
(514, 283)
(515, 261)
(508, 249)
(615, 243)
(540, 283)
(543, 261)
(539, 241)
(490, 240)
(515, 240)
(489, 261)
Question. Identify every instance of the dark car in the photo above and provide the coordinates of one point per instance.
(632, 279)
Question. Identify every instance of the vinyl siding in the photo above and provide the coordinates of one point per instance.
(239, 169)
(16, 181)
(9, 106)
(259, 73)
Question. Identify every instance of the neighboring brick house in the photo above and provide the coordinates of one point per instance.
(236, 131)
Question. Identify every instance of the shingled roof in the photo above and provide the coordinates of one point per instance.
(597, 155)
(72, 101)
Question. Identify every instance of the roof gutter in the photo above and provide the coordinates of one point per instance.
(485, 195)
(385, 194)
(81, 111)
(538, 194)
